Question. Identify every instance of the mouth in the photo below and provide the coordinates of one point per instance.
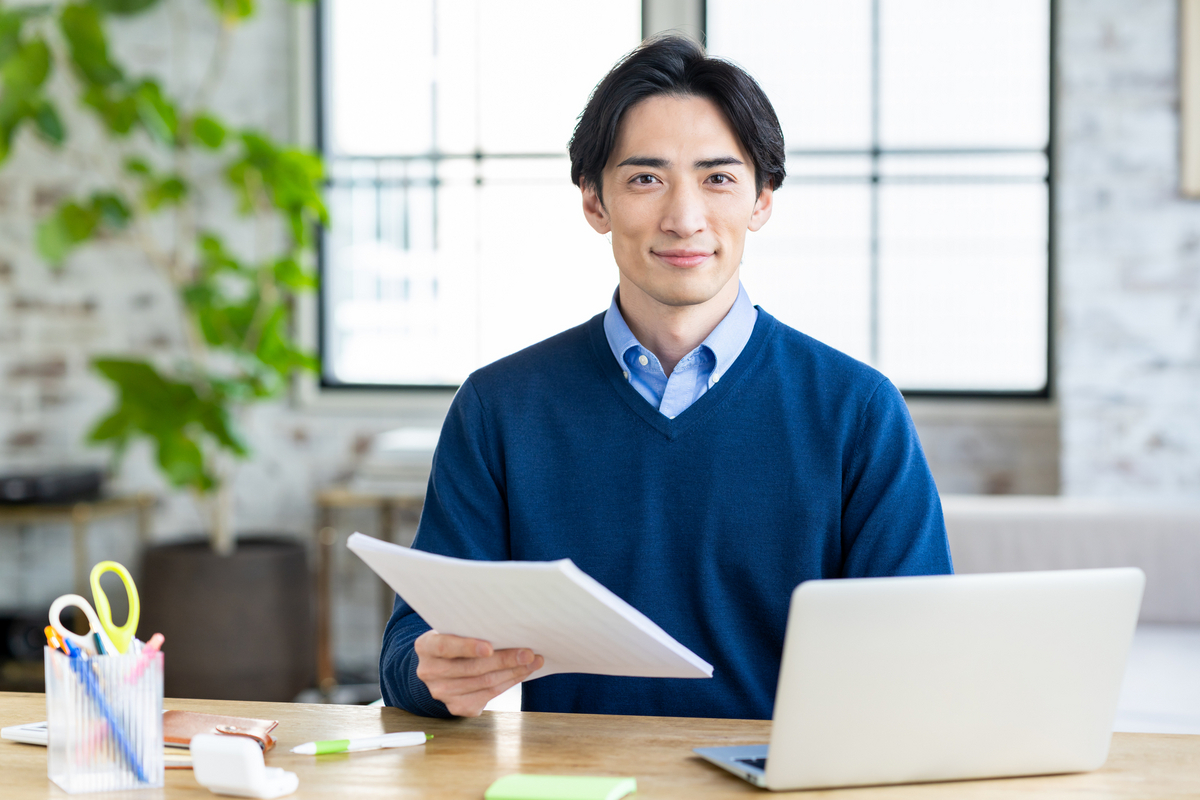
(683, 258)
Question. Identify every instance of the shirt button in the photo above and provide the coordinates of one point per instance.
(671, 417)
(626, 374)
(714, 379)
(643, 360)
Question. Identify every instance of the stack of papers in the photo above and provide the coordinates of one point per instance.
(550, 607)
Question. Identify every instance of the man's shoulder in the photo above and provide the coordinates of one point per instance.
(809, 359)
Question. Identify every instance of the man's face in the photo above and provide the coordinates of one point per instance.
(678, 199)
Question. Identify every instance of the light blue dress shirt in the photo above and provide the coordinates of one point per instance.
(695, 372)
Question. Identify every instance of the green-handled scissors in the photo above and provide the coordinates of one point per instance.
(123, 635)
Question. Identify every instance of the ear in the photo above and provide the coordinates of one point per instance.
(762, 208)
(593, 209)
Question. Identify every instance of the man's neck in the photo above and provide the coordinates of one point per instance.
(671, 332)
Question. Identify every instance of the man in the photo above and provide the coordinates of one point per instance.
(684, 448)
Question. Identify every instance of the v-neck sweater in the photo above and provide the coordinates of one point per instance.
(800, 464)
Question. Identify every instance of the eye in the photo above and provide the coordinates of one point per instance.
(644, 179)
(720, 179)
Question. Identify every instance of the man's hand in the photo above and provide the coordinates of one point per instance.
(466, 673)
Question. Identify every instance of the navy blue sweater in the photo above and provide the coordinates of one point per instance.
(800, 463)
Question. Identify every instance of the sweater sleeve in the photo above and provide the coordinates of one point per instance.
(465, 516)
(892, 520)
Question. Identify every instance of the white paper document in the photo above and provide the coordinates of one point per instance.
(551, 607)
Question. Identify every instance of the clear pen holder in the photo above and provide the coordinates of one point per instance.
(105, 721)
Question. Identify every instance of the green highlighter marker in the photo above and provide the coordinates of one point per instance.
(405, 739)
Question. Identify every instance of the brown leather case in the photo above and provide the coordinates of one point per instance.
(180, 726)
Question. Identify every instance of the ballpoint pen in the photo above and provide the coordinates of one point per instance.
(92, 686)
(405, 739)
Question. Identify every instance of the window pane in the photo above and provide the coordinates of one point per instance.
(826, 168)
(499, 278)
(1014, 166)
(962, 293)
(542, 59)
(809, 265)
(370, 111)
(386, 289)
(542, 269)
(438, 262)
(812, 58)
(961, 74)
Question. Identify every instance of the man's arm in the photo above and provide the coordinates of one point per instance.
(892, 520)
(465, 516)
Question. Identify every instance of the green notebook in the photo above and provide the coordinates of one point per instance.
(559, 787)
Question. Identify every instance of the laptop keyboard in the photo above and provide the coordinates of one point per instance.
(759, 763)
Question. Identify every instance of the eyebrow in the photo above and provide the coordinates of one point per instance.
(662, 163)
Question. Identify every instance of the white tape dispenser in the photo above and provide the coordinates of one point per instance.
(233, 765)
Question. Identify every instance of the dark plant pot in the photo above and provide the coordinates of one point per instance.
(237, 627)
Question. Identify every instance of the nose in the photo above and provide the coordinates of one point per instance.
(685, 214)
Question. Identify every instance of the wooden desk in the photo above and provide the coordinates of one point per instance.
(465, 756)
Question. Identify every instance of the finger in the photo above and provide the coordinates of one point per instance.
(445, 645)
(473, 667)
(459, 687)
(472, 705)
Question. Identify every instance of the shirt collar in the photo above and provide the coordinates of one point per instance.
(725, 342)
(616, 330)
(729, 338)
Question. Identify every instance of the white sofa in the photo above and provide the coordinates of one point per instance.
(1018, 533)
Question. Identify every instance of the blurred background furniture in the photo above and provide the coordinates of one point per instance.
(81, 515)
(392, 510)
(1014, 534)
(21, 626)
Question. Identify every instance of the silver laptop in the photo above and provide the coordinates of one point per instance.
(904, 680)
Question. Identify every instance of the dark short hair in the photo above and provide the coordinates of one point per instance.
(677, 66)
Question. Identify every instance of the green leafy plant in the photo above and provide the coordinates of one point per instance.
(236, 310)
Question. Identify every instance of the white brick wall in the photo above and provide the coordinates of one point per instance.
(1129, 257)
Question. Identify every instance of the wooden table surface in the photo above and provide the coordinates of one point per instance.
(466, 755)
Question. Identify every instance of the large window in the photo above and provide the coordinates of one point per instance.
(457, 235)
(912, 231)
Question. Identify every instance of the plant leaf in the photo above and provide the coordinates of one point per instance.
(52, 240)
(289, 272)
(136, 377)
(80, 24)
(156, 112)
(137, 166)
(10, 34)
(168, 191)
(28, 67)
(115, 426)
(290, 180)
(61, 232)
(182, 461)
(49, 124)
(111, 210)
(73, 223)
(215, 419)
(208, 131)
(171, 413)
(124, 6)
(232, 11)
(116, 107)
